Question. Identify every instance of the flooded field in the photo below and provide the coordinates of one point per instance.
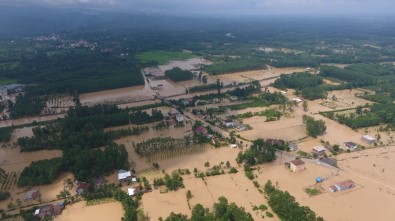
(112, 211)
(11, 159)
(118, 96)
(236, 187)
(290, 129)
(341, 99)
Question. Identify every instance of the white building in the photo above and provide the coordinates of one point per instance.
(124, 175)
(368, 139)
(179, 118)
(319, 150)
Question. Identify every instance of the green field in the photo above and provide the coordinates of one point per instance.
(4, 81)
(162, 57)
(9, 65)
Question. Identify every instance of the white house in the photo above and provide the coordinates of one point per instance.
(319, 150)
(368, 139)
(124, 175)
(350, 145)
(179, 118)
(133, 191)
(233, 146)
(228, 123)
(297, 100)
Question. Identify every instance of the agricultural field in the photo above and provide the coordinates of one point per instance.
(163, 57)
(5, 81)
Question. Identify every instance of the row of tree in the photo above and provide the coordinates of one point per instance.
(286, 207)
(223, 210)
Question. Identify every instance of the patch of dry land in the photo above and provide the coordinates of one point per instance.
(112, 211)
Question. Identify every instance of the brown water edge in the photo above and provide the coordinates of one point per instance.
(111, 211)
(29, 120)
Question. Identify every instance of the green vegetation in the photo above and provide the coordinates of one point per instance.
(368, 116)
(79, 135)
(153, 58)
(4, 195)
(5, 133)
(229, 65)
(286, 207)
(314, 127)
(129, 205)
(204, 87)
(5, 81)
(306, 84)
(271, 115)
(222, 211)
(261, 151)
(40, 172)
(173, 182)
(312, 191)
(177, 74)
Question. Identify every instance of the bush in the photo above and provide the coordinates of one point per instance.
(269, 214)
(250, 175)
(233, 170)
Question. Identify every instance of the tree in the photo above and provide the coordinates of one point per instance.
(314, 127)
(305, 106)
(176, 217)
(218, 85)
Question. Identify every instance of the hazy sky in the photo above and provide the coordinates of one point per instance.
(226, 7)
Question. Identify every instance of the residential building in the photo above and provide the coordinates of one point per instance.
(31, 195)
(297, 165)
(368, 139)
(350, 145)
(124, 175)
(49, 210)
(82, 187)
(228, 123)
(133, 191)
(293, 147)
(179, 118)
(343, 185)
(319, 150)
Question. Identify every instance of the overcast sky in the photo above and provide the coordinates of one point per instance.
(225, 7)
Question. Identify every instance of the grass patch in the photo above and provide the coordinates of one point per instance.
(9, 65)
(314, 191)
(5, 81)
(162, 57)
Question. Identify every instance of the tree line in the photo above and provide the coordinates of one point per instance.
(286, 207)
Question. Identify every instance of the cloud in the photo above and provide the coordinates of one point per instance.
(253, 7)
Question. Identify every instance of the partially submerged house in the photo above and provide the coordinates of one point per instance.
(297, 165)
(228, 123)
(350, 145)
(82, 187)
(179, 118)
(31, 195)
(293, 146)
(49, 210)
(124, 175)
(343, 185)
(368, 139)
(133, 191)
(319, 150)
(241, 127)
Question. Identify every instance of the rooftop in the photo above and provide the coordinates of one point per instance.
(345, 183)
(368, 137)
(319, 148)
(297, 162)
